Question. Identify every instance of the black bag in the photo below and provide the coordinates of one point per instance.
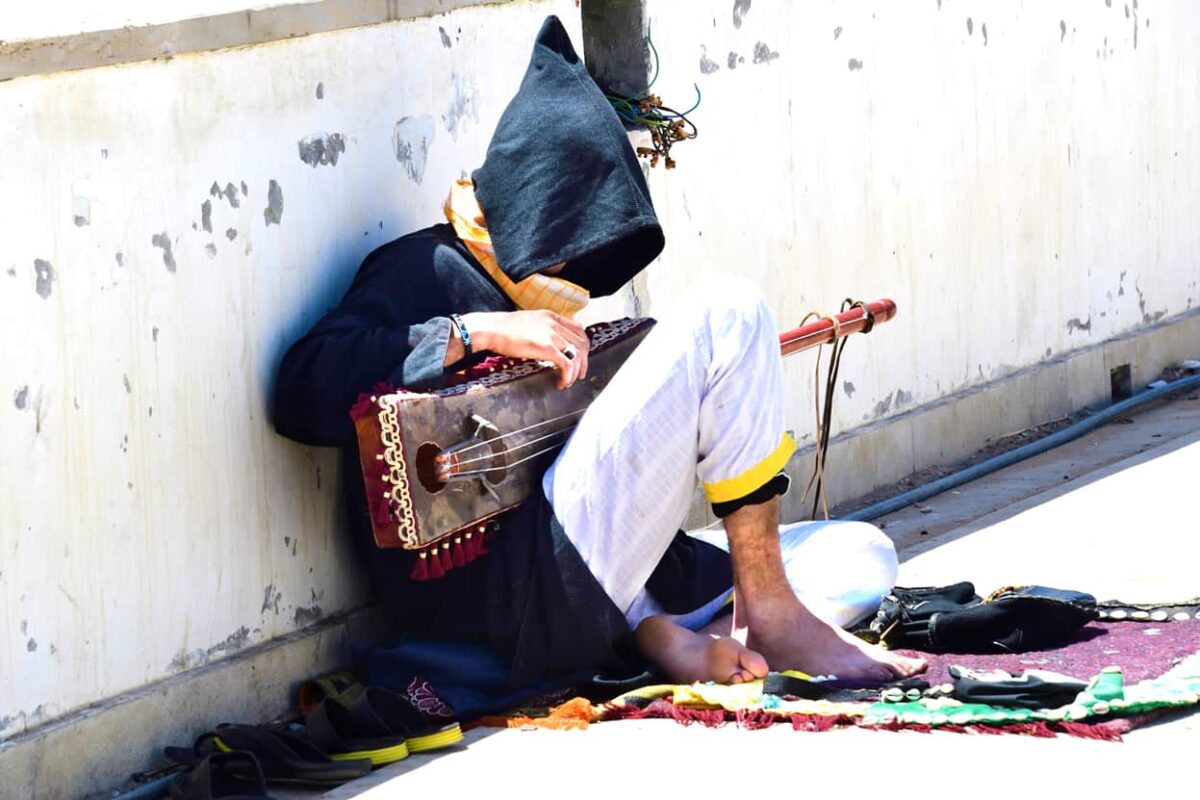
(953, 619)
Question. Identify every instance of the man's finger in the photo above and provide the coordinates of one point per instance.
(582, 358)
(555, 356)
(575, 336)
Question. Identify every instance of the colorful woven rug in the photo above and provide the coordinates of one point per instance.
(1138, 671)
(1142, 649)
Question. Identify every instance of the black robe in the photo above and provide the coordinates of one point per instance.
(559, 183)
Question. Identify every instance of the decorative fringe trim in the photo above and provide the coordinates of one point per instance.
(439, 558)
(435, 564)
(819, 722)
(755, 719)
(420, 570)
(362, 407)
(1105, 731)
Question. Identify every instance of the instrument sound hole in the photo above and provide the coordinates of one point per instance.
(427, 467)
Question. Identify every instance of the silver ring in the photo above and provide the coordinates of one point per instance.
(569, 352)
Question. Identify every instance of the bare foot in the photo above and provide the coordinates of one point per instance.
(686, 656)
(790, 637)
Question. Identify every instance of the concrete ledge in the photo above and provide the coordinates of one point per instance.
(124, 45)
(92, 750)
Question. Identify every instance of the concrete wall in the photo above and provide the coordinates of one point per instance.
(168, 229)
(1021, 177)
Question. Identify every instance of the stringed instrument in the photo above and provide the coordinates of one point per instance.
(439, 464)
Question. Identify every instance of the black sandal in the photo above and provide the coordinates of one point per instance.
(284, 756)
(378, 724)
(228, 776)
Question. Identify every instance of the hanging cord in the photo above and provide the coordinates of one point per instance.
(667, 126)
(824, 410)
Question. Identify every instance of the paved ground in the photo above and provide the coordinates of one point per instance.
(1114, 513)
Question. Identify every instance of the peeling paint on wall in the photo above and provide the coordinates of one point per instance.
(707, 65)
(734, 59)
(322, 149)
(271, 598)
(464, 104)
(82, 210)
(206, 215)
(44, 275)
(21, 398)
(740, 9)
(230, 192)
(305, 616)
(445, 37)
(854, 64)
(1075, 324)
(231, 233)
(764, 54)
(273, 213)
(411, 138)
(164, 241)
(882, 407)
(187, 659)
(1148, 318)
(320, 90)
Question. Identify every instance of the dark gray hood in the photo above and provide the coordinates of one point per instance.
(560, 181)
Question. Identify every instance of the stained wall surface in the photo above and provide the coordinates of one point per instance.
(1021, 177)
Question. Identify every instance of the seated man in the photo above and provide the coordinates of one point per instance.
(590, 573)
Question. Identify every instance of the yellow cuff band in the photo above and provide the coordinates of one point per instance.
(751, 479)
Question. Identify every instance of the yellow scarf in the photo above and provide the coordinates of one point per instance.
(535, 292)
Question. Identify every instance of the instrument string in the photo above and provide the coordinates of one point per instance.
(518, 431)
(529, 457)
(513, 449)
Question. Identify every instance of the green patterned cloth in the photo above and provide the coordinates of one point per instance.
(1106, 696)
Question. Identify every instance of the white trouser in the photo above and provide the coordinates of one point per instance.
(840, 570)
(700, 398)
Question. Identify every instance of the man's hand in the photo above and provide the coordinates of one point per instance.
(540, 335)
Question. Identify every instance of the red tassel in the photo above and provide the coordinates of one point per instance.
(446, 559)
(459, 557)
(480, 545)
(420, 570)
(435, 565)
(362, 407)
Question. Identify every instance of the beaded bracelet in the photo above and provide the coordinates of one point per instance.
(462, 332)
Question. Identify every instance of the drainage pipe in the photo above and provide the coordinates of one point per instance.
(1023, 452)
